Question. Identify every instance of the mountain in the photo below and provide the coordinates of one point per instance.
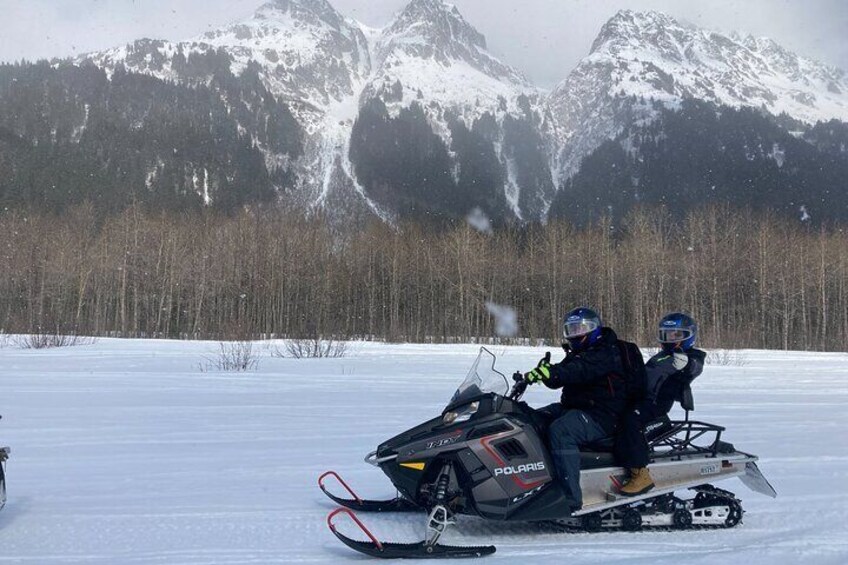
(326, 68)
(310, 58)
(432, 72)
(639, 57)
(419, 121)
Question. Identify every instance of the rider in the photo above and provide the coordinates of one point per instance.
(593, 393)
(669, 372)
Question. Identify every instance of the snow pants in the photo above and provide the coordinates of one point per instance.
(569, 430)
(631, 447)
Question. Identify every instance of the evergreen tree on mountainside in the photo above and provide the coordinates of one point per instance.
(480, 178)
(70, 134)
(702, 154)
(405, 166)
(524, 147)
(401, 162)
(830, 137)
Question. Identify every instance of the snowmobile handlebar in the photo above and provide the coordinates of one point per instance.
(521, 383)
(519, 387)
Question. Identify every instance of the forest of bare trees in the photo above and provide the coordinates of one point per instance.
(750, 280)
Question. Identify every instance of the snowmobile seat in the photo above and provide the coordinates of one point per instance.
(656, 427)
(598, 454)
(597, 459)
(605, 444)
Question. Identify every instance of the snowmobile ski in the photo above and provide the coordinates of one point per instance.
(397, 504)
(389, 550)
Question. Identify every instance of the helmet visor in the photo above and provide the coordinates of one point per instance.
(674, 335)
(577, 328)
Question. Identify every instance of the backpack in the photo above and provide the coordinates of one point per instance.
(635, 376)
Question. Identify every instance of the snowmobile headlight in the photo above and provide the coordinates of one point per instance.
(462, 414)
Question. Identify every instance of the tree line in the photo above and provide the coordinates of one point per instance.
(751, 280)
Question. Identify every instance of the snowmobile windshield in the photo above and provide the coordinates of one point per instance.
(481, 379)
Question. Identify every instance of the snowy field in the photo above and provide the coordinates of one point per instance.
(125, 452)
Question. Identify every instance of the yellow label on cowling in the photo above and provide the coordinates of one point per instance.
(416, 466)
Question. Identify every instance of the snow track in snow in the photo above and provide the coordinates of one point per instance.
(124, 452)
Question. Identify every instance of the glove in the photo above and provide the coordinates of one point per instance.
(542, 372)
(679, 360)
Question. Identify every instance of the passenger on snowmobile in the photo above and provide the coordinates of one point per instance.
(669, 372)
(593, 394)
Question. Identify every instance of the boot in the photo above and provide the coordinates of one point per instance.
(640, 482)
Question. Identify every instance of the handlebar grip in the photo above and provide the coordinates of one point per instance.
(518, 390)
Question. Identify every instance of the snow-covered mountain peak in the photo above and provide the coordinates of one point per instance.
(435, 23)
(304, 10)
(627, 29)
(653, 58)
(653, 55)
(435, 30)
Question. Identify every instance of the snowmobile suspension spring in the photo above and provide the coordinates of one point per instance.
(442, 484)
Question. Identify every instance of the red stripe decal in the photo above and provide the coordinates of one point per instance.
(485, 443)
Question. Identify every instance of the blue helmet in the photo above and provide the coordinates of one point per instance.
(581, 327)
(677, 331)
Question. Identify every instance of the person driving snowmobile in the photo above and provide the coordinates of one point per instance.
(668, 373)
(592, 379)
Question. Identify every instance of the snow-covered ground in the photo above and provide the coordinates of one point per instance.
(125, 452)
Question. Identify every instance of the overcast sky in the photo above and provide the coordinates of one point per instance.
(543, 38)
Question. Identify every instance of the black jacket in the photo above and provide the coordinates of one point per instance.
(592, 380)
(667, 381)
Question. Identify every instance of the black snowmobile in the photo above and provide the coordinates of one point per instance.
(4, 455)
(485, 456)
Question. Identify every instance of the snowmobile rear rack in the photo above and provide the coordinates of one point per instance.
(679, 437)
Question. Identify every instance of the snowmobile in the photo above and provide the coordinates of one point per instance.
(485, 455)
(4, 455)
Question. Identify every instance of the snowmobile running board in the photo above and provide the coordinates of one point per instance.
(396, 504)
(389, 550)
(669, 478)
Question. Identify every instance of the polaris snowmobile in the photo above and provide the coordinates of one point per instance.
(485, 456)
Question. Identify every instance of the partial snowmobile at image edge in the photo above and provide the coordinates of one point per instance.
(4, 456)
(484, 456)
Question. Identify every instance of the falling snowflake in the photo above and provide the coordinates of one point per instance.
(478, 220)
(506, 320)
